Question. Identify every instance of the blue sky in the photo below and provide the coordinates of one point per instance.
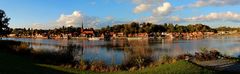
(99, 13)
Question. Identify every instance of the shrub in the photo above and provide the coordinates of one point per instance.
(208, 55)
(137, 62)
(185, 57)
(98, 66)
(166, 59)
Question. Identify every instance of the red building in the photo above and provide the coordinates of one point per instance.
(89, 32)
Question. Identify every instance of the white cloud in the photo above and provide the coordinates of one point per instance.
(226, 16)
(109, 18)
(160, 20)
(76, 19)
(163, 10)
(160, 11)
(137, 1)
(176, 19)
(201, 3)
(38, 26)
(211, 17)
(141, 8)
(144, 5)
(71, 20)
(150, 19)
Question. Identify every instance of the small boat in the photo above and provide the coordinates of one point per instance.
(134, 38)
(94, 38)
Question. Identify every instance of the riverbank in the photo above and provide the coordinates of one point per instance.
(11, 64)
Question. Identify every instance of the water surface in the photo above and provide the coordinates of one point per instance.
(119, 51)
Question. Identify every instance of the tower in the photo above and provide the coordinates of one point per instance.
(82, 27)
(82, 24)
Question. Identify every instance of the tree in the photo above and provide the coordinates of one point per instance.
(169, 27)
(4, 29)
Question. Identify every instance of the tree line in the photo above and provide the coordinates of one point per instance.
(75, 31)
(224, 28)
(135, 27)
(131, 28)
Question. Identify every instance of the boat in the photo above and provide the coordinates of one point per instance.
(134, 38)
(94, 38)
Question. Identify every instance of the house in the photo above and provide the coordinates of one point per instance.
(121, 34)
(87, 32)
(208, 33)
(12, 35)
(142, 34)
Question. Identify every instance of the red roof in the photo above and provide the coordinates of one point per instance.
(88, 32)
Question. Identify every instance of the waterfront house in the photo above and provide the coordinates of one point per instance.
(142, 34)
(208, 33)
(87, 32)
(121, 34)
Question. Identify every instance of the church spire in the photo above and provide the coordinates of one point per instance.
(82, 24)
(82, 27)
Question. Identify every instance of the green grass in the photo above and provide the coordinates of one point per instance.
(180, 67)
(12, 64)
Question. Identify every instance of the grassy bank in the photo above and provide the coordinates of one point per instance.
(15, 64)
(180, 67)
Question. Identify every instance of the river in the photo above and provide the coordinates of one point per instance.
(119, 51)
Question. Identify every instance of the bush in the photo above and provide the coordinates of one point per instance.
(185, 57)
(165, 59)
(137, 62)
(208, 55)
(15, 47)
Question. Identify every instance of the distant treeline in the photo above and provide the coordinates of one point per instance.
(224, 28)
(151, 28)
(75, 31)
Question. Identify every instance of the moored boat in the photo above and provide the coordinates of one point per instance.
(134, 38)
(94, 38)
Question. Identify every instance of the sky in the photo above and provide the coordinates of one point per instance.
(47, 14)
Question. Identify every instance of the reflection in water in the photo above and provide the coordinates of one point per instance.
(120, 51)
